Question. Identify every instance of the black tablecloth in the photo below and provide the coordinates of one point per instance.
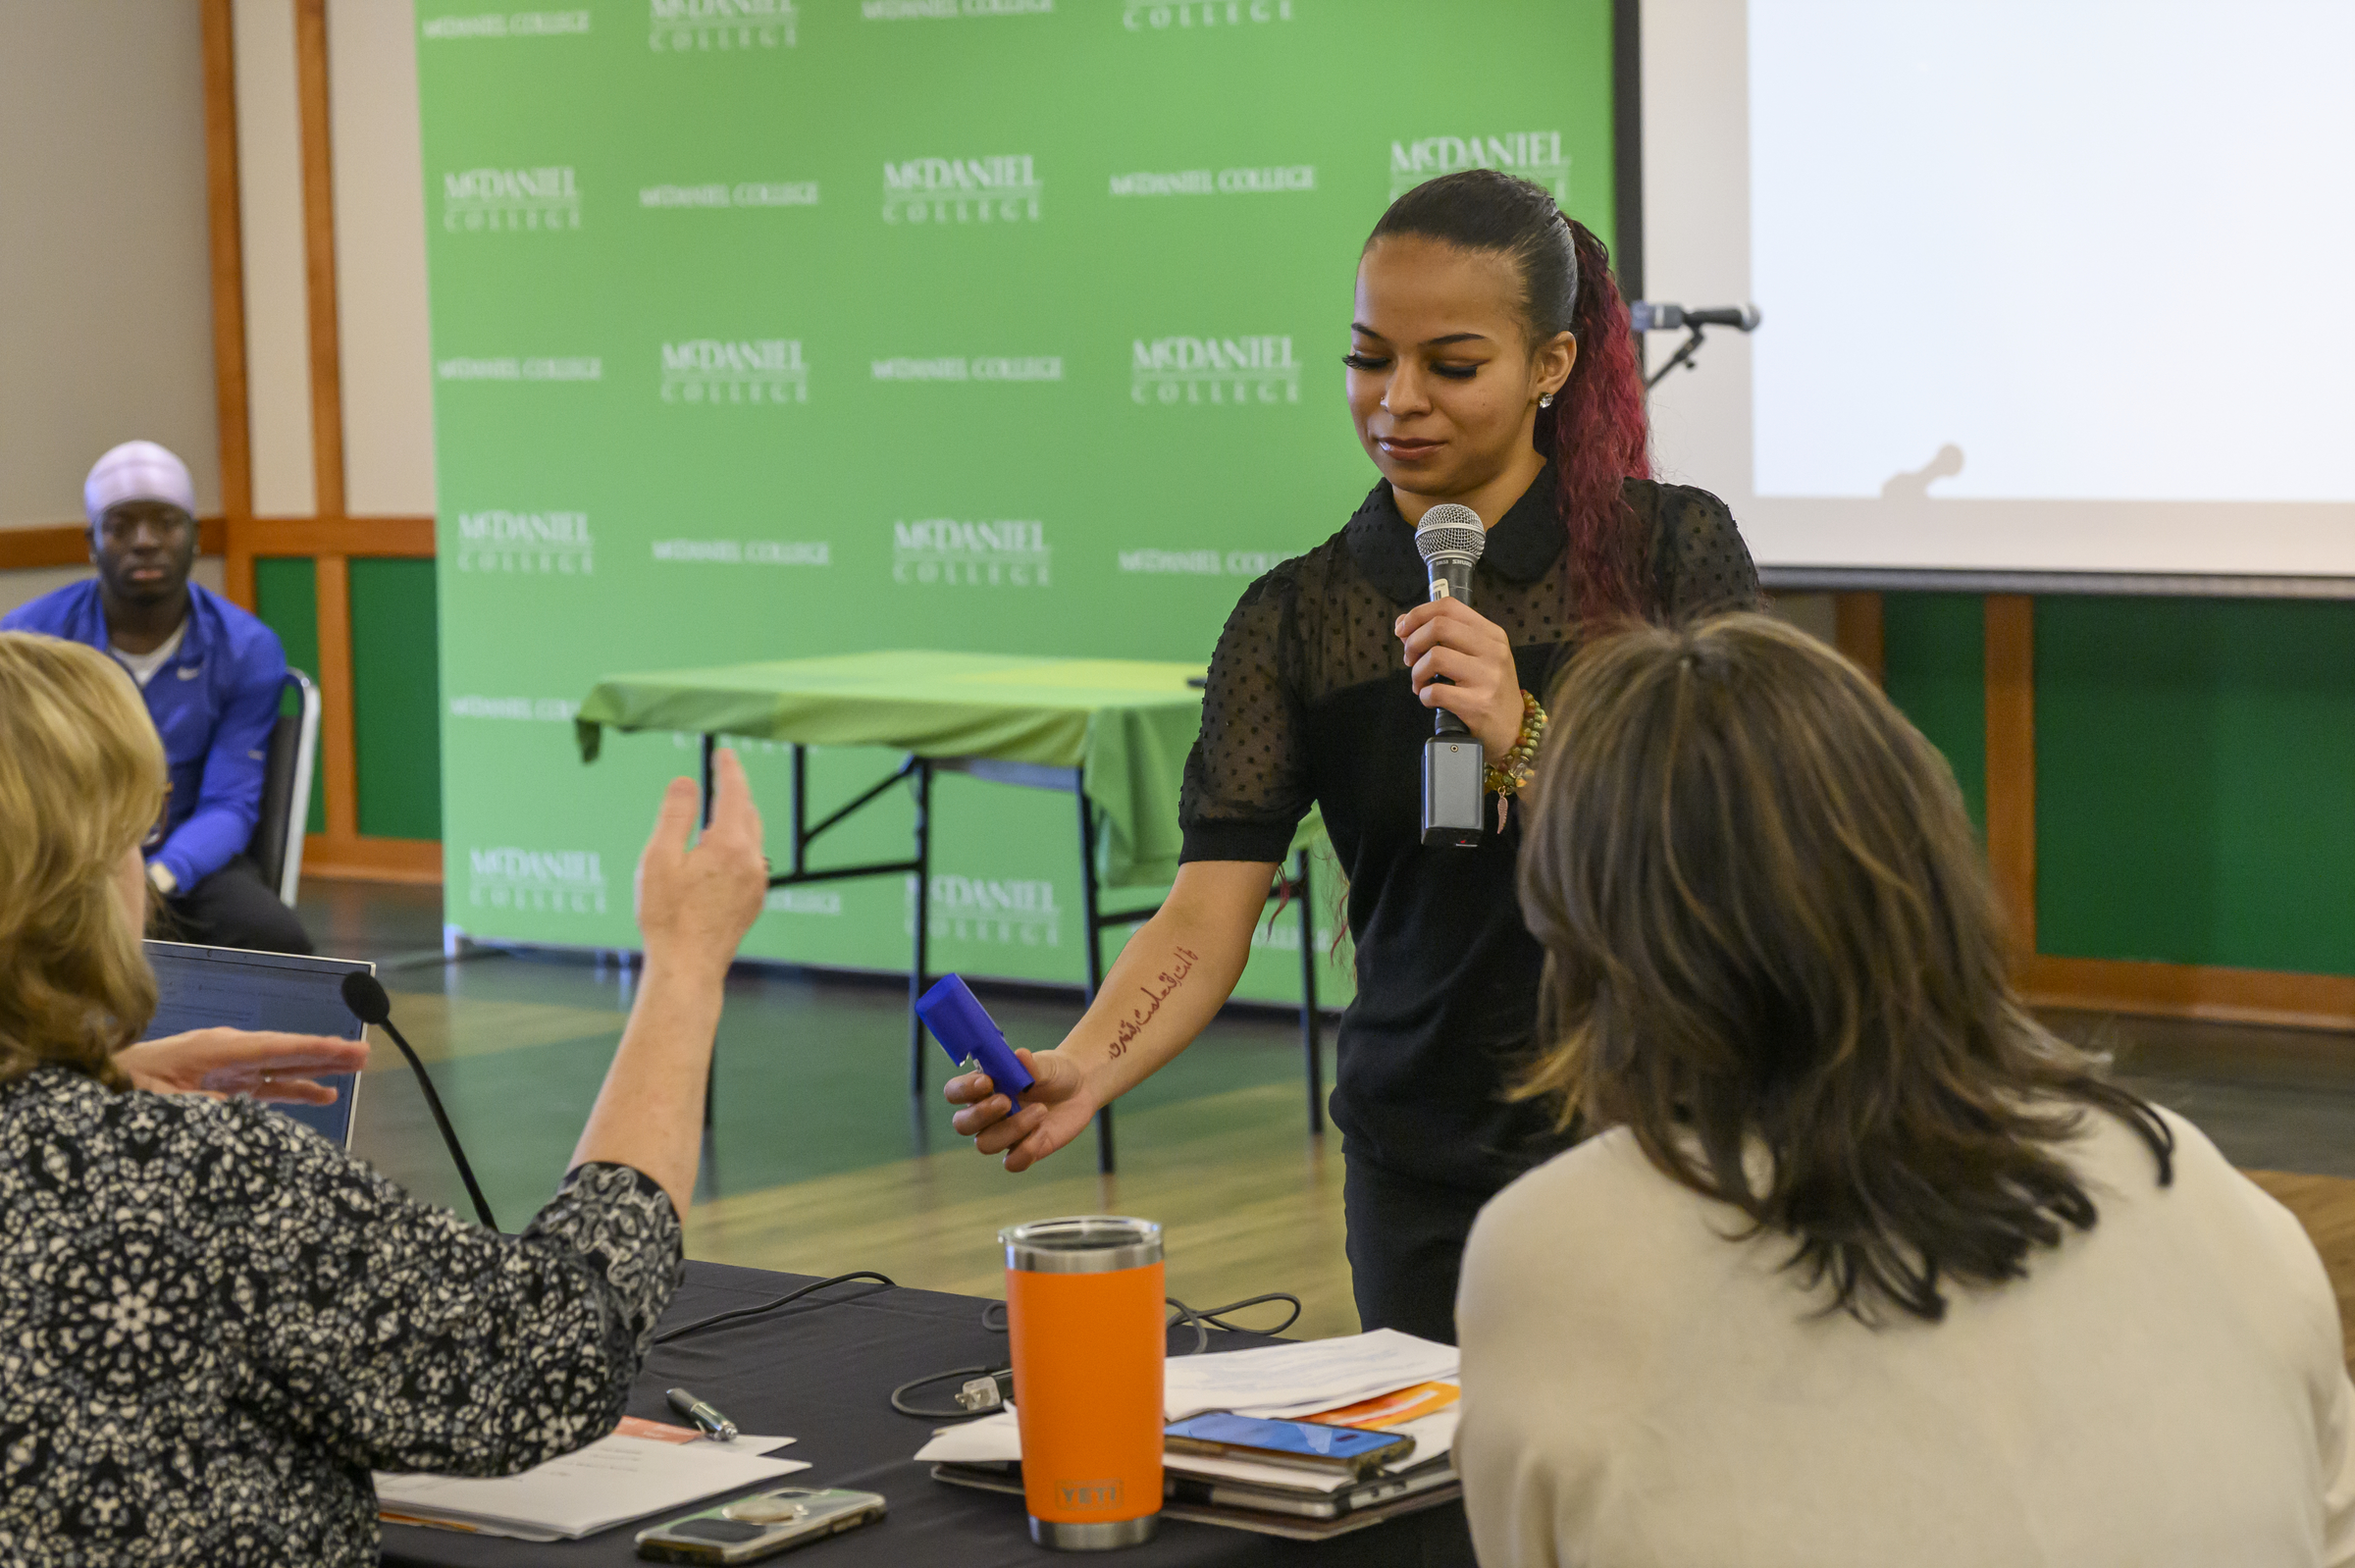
(821, 1371)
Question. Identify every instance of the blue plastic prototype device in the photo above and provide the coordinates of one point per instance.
(971, 1037)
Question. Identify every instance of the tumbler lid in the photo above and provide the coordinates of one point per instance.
(1086, 1244)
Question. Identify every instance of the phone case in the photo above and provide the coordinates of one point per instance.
(761, 1526)
(967, 1031)
(1360, 1465)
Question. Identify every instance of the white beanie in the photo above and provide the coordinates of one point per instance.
(136, 470)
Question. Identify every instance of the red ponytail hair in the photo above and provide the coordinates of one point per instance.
(1598, 437)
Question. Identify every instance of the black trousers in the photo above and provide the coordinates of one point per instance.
(1406, 1248)
(233, 908)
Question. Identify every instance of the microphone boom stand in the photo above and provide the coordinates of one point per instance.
(1683, 356)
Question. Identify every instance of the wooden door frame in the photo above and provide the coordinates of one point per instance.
(331, 539)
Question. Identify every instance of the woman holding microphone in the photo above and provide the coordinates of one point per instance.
(1491, 365)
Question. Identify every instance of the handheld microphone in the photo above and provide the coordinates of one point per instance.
(1450, 540)
(1648, 316)
(365, 996)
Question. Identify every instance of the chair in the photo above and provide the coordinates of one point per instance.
(276, 846)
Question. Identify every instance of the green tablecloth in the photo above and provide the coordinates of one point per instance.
(1127, 725)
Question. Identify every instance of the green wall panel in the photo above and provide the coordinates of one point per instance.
(1934, 667)
(397, 698)
(286, 594)
(1002, 328)
(2195, 760)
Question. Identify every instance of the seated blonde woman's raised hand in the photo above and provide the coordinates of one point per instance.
(263, 1063)
(695, 905)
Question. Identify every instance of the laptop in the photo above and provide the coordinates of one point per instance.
(220, 987)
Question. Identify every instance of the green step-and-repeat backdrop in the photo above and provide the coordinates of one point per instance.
(764, 330)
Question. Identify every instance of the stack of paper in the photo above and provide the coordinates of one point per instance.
(1290, 1380)
(614, 1479)
(997, 1439)
(1385, 1379)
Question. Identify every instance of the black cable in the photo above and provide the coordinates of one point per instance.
(787, 1299)
(1216, 1316)
(993, 1321)
(365, 996)
(993, 1316)
(900, 1403)
(1203, 1319)
(1192, 1320)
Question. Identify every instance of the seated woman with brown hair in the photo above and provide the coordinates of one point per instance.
(1861, 1265)
(214, 1324)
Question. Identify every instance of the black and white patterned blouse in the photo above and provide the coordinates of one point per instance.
(213, 1325)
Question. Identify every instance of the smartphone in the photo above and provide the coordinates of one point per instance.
(1313, 1443)
(760, 1526)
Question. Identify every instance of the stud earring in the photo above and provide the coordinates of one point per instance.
(1547, 402)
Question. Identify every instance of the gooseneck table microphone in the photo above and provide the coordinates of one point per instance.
(365, 996)
(1450, 540)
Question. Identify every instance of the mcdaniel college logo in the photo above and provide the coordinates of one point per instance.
(690, 27)
(1004, 188)
(762, 370)
(510, 200)
(1163, 16)
(526, 542)
(550, 881)
(1213, 370)
(1003, 553)
(1535, 155)
(986, 909)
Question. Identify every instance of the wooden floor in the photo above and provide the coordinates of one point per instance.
(1247, 1205)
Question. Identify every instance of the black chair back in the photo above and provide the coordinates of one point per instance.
(282, 815)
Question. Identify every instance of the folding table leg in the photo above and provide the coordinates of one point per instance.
(1309, 1022)
(711, 1073)
(1095, 955)
(918, 979)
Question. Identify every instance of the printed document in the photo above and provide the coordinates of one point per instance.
(1289, 1380)
(613, 1480)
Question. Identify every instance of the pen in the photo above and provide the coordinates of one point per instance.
(714, 1426)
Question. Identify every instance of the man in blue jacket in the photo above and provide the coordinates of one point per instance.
(212, 676)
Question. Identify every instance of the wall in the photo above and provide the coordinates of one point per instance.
(380, 259)
(2189, 789)
(105, 316)
(2195, 782)
(332, 224)
(724, 279)
(276, 339)
(158, 165)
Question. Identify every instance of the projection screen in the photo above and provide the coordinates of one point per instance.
(2050, 288)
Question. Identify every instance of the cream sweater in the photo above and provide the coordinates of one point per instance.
(2164, 1391)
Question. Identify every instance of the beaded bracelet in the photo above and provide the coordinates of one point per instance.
(1509, 773)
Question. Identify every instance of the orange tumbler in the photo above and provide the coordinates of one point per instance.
(1083, 1309)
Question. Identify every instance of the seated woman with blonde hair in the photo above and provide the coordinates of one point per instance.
(214, 1324)
(1861, 1265)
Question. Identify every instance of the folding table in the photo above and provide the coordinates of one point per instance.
(1112, 732)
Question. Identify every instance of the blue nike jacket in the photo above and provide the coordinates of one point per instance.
(214, 705)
